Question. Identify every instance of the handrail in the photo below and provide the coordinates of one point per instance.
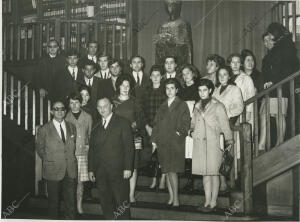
(266, 91)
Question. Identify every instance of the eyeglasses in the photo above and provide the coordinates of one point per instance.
(59, 109)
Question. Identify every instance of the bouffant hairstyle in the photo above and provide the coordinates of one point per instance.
(206, 82)
(219, 60)
(228, 69)
(245, 53)
(121, 79)
(233, 55)
(74, 96)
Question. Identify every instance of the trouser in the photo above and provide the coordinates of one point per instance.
(113, 194)
(66, 186)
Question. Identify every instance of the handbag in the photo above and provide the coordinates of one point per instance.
(226, 165)
(152, 167)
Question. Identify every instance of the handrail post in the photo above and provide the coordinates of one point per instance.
(292, 107)
(246, 173)
(280, 117)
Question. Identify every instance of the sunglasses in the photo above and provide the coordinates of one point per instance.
(59, 109)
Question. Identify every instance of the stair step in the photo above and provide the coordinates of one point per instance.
(153, 211)
(182, 180)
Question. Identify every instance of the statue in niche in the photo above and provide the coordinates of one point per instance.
(174, 37)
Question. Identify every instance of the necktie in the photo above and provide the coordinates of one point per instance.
(103, 123)
(89, 83)
(63, 138)
(73, 74)
(104, 75)
(137, 78)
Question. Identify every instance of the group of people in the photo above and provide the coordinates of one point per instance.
(104, 119)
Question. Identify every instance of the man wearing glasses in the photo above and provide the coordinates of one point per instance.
(49, 67)
(55, 145)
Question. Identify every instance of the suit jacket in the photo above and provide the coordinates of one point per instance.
(111, 148)
(58, 157)
(65, 84)
(100, 75)
(139, 90)
(47, 71)
(94, 89)
(178, 76)
(106, 89)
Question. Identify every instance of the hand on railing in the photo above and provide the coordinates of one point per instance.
(267, 85)
(43, 92)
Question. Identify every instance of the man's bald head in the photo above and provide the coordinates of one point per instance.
(104, 107)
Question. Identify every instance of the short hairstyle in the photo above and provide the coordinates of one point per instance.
(72, 52)
(190, 67)
(264, 35)
(277, 30)
(233, 55)
(74, 96)
(157, 68)
(57, 101)
(83, 87)
(104, 55)
(228, 69)
(219, 60)
(91, 42)
(245, 53)
(137, 56)
(52, 40)
(171, 57)
(113, 61)
(206, 82)
(88, 62)
(121, 79)
(173, 81)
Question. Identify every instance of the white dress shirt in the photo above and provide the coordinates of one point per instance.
(170, 101)
(75, 69)
(87, 81)
(140, 74)
(105, 74)
(171, 75)
(107, 119)
(57, 127)
(93, 58)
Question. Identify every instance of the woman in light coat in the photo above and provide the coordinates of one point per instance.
(208, 122)
(83, 123)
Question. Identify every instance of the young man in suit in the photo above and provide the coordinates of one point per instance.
(141, 80)
(70, 79)
(55, 144)
(170, 66)
(91, 81)
(110, 161)
(103, 72)
(92, 50)
(108, 86)
(49, 67)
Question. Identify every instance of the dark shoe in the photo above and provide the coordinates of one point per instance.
(204, 209)
(227, 190)
(189, 187)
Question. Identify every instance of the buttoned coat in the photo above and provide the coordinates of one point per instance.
(57, 157)
(207, 125)
(83, 128)
(171, 145)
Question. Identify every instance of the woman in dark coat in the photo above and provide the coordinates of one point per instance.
(280, 62)
(171, 126)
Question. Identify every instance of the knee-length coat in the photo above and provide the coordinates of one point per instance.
(171, 126)
(207, 125)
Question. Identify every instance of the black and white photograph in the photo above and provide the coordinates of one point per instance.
(183, 110)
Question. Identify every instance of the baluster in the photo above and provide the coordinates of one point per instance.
(121, 42)
(268, 138)
(105, 39)
(33, 112)
(292, 107)
(4, 92)
(286, 14)
(12, 97)
(95, 30)
(18, 42)
(41, 109)
(49, 109)
(280, 10)
(279, 115)
(40, 42)
(4, 42)
(26, 106)
(255, 128)
(19, 102)
(244, 115)
(78, 29)
(25, 43)
(33, 41)
(129, 43)
(11, 53)
(113, 40)
(294, 20)
(48, 32)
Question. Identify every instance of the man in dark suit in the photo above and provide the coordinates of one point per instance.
(110, 161)
(108, 86)
(92, 54)
(70, 79)
(91, 81)
(103, 72)
(55, 144)
(170, 68)
(141, 80)
(49, 67)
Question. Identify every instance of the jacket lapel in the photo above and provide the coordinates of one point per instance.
(174, 104)
(54, 131)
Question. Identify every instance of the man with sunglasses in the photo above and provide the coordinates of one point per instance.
(49, 67)
(55, 145)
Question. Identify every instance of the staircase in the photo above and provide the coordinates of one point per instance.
(24, 109)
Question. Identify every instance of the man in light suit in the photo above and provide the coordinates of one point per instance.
(55, 145)
(110, 161)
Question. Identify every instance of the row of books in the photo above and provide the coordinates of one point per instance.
(112, 8)
(78, 12)
(115, 19)
(50, 13)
